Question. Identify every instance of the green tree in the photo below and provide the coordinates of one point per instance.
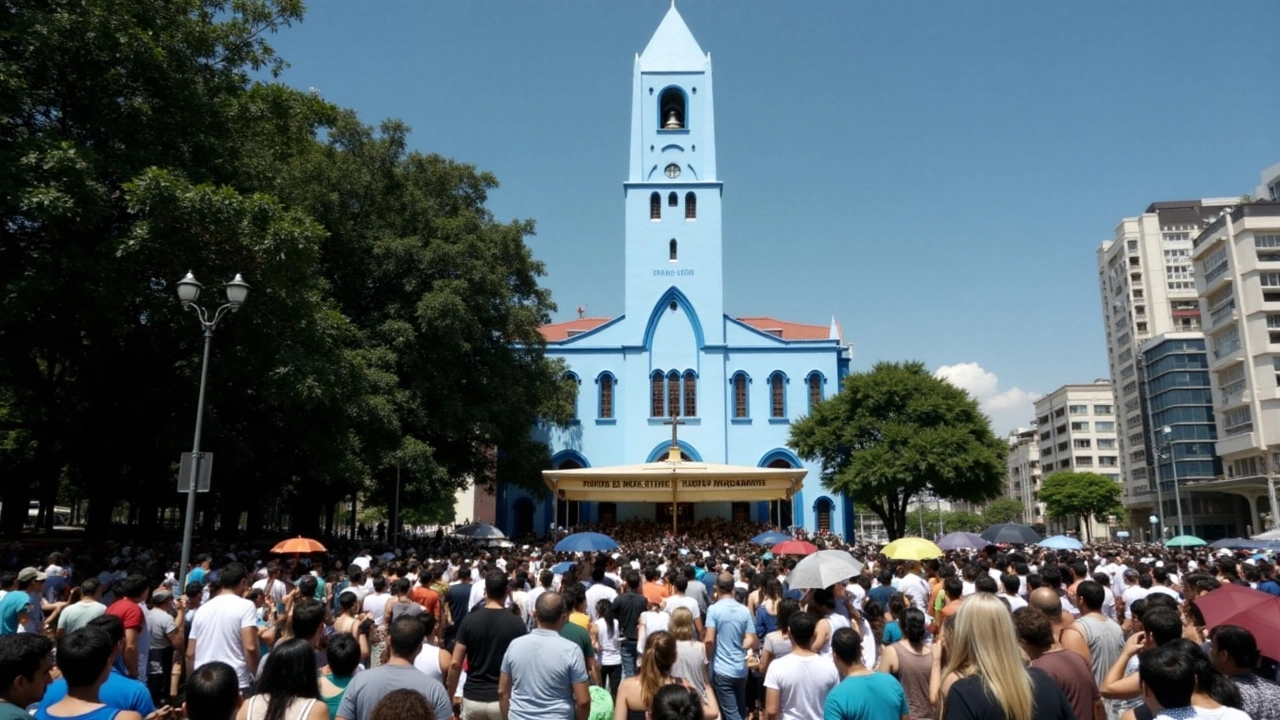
(952, 521)
(1002, 510)
(896, 431)
(1079, 495)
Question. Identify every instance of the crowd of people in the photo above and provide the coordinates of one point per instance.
(694, 627)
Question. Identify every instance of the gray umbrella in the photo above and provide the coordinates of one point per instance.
(1011, 533)
(479, 531)
(823, 569)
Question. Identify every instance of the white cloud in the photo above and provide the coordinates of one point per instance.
(1008, 408)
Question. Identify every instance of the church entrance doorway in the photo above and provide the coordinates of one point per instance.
(684, 513)
(524, 517)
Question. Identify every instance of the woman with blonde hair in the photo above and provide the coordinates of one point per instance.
(691, 654)
(636, 693)
(985, 678)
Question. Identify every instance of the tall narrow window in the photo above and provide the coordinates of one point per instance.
(606, 396)
(690, 395)
(655, 207)
(740, 395)
(822, 509)
(572, 378)
(672, 249)
(673, 392)
(815, 389)
(671, 109)
(777, 396)
(673, 199)
(690, 206)
(657, 408)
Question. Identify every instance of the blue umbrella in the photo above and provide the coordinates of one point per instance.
(962, 541)
(1239, 544)
(586, 542)
(770, 538)
(1061, 542)
(561, 568)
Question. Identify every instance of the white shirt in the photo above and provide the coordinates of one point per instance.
(609, 641)
(680, 601)
(1165, 590)
(1015, 602)
(595, 594)
(916, 590)
(1199, 713)
(376, 605)
(802, 682)
(276, 590)
(362, 562)
(216, 630)
(1132, 594)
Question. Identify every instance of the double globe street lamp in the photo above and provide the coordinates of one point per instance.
(189, 292)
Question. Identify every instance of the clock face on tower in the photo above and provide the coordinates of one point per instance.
(673, 171)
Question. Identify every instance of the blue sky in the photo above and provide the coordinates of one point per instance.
(935, 175)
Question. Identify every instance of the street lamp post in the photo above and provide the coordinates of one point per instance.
(1167, 432)
(188, 293)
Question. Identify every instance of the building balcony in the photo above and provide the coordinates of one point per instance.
(1235, 444)
(1214, 279)
(1220, 359)
(1223, 313)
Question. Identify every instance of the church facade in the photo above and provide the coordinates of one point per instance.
(735, 383)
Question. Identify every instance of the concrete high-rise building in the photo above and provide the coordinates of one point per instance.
(1237, 262)
(1148, 289)
(1023, 473)
(1077, 429)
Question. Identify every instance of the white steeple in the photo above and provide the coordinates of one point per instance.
(672, 47)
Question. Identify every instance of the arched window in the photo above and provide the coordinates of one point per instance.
(673, 199)
(777, 396)
(577, 384)
(606, 396)
(740, 395)
(655, 206)
(673, 392)
(822, 509)
(690, 395)
(672, 249)
(671, 109)
(815, 389)
(657, 407)
(690, 206)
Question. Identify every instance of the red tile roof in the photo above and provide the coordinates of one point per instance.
(561, 331)
(788, 330)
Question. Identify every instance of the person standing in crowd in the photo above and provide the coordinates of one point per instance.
(1234, 652)
(117, 691)
(165, 638)
(1047, 601)
(84, 658)
(606, 639)
(25, 662)
(730, 634)
(628, 607)
(199, 570)
(910, 660)
(402, 705)
(797, 684)
(543, 676)
(1102, 635)
(481, 643)
(343, 653)
(212, 693)
(398, 673)
(78, 614)
(457, 603)
(132, 611)
(1067, 669)
(636, 694)
(226, 629)
(1169, 679)
(985, 677)
(288, 688)
(862, 693)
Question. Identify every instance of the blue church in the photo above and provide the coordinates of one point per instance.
(736, 383)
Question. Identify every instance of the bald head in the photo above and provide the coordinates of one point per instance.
(549, 609)
(1046, 600)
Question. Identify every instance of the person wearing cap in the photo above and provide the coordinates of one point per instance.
(14, 608)
(166, 638)
(29, 593)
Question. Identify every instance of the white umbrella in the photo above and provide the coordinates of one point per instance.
(1269, 535)
(479, 531)
(823, 569)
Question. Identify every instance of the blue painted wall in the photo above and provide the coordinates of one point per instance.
(674, 318)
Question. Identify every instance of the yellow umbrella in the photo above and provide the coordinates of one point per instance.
(911, 548)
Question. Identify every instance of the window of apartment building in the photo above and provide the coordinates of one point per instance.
(1175, 236)
(1215, 265)
(1231, 380)
(1102, 409)
(1080, 427)
(1237, 422)
(1108, 460)
(1131, 245)
(1084, 461)
(1266, 241)
(1226, 342)
(1137, 294)
(1062, 446)
(1275, 365)
(1042, 420)
(1059, 412)
(1078, 409)
(1106, 443)
(1083, 443)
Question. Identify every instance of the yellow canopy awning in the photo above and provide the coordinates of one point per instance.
(675, 481)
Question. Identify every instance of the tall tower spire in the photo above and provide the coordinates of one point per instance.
(672, 194)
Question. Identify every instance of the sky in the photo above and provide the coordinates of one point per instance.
(936, 176)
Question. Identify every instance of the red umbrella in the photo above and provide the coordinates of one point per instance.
(794, 547)
(1253, 610)
(298, 545)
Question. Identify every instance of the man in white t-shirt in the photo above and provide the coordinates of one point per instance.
(363, 560)
(598, 591)
(272, 587)
(796, 684)
(376, 603)
(914, 587)
(226, 629)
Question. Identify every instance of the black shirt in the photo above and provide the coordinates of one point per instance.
(628, 607)
(459, 599)
(486, 633)
(968, 700)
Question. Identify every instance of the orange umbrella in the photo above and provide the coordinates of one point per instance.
(298, 546)
(794, 547)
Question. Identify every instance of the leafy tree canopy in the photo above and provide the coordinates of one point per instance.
(1081, 495)
(895, 431)
(1002, 510)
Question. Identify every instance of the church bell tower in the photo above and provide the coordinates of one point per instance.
(672, 194)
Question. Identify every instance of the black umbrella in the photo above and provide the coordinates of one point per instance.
(1011, 533)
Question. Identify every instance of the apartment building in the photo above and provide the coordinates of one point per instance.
(1237, 263)
(1076, 425)
(1022, 466)
(1147, 287)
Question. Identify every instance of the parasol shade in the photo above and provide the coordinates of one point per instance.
(794, 547)
(962, 541)
(479, 531)
(586, 542)
(298, 546)
(823, 569)
(1011, 533)
(911, 548)
(1061, 542)
(1184, 541)
(1253, 610)
(770, 538)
